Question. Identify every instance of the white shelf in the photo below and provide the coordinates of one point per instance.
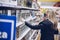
(32, 34)
(36, 37)
(10, 6)
(23, 34)
(18, 24)
(28, 19)
(27, 30)
(27, 8)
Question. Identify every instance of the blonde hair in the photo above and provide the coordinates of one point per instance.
(52, 18)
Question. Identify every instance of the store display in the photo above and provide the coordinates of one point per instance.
(26, 9)
(27, 37)
(22, 31)
(23, 28)
(34, 36)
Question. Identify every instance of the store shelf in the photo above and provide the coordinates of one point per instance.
(32, 34)
(27, 8)
(9, 6)
(19, 24)
(15, 10)
(28, 19)
(23, 34)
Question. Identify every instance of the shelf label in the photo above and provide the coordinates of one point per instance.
(7, 27)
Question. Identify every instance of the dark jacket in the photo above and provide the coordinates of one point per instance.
(47, 32)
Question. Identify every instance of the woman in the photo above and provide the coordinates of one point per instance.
(48, 26)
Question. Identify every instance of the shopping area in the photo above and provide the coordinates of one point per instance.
(31, 11)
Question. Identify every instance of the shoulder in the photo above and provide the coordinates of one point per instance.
(46, 22)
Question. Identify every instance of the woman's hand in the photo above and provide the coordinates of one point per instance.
(23, 20)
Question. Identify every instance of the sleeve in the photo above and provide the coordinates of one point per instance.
(40, 26)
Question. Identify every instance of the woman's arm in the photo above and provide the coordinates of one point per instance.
(34, 26)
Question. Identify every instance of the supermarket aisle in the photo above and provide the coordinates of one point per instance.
(31, 11)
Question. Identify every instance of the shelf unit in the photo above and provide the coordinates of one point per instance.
(12, 9)
(30, 38)
(21, 24)
(25, 32)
